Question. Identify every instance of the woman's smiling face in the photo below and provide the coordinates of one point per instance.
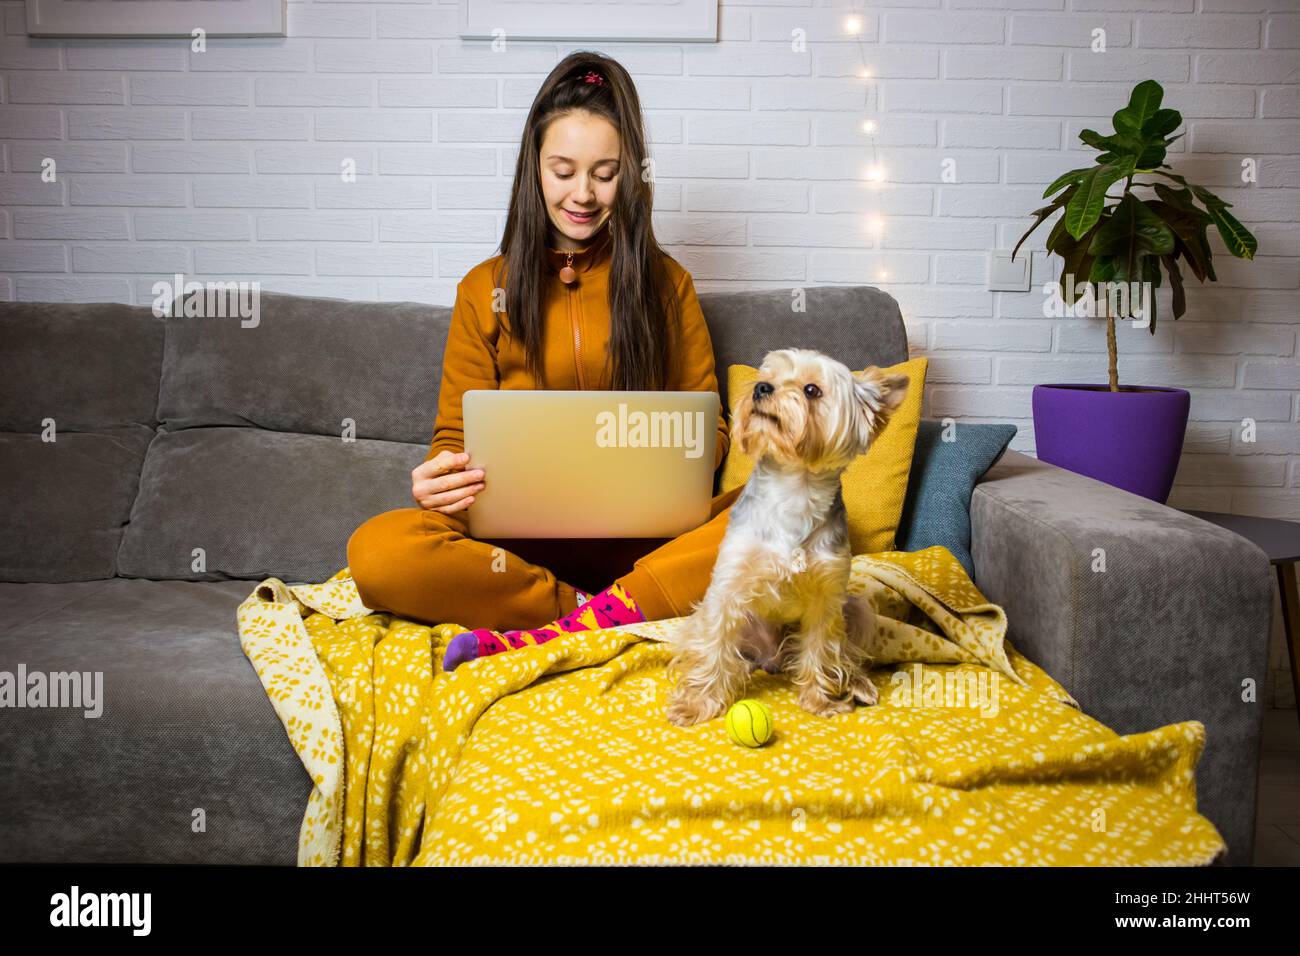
(579, 174)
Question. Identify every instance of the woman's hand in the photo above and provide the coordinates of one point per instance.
(442, 484)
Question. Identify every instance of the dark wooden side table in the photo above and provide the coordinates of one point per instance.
(1280, 540)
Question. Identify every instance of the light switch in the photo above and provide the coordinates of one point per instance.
(1006, 275)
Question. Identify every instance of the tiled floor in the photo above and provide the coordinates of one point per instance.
(1277, 828)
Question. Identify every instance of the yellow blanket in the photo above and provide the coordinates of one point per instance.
(562, 754)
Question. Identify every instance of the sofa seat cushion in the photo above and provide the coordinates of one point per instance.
(185, 727)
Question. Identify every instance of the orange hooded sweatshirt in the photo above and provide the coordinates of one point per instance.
(480, 354)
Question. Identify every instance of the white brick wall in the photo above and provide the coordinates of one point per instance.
(226, 164)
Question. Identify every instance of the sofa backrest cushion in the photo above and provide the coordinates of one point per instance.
(859, 325)
(78, 393)
(249, 476)
(306, 365)
(88, 366)
(280, 435)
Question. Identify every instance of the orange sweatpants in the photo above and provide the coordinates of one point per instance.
(424, 566)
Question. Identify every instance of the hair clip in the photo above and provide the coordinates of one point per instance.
(594, 77)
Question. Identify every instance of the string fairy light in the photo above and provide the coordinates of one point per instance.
(875, 172)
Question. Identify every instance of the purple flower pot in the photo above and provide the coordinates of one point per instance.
(1131, 439)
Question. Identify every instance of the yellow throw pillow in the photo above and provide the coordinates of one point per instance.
(875, 485)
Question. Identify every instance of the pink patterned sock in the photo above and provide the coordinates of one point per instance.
(608, 608)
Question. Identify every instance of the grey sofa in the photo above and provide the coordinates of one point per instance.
(196, 456)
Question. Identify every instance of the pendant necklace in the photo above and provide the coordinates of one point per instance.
(567, 274)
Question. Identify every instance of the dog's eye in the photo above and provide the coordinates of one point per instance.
(812, 391)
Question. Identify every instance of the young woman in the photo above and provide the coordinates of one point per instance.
(578, 249)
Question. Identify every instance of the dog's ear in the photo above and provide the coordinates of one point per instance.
(877, 394)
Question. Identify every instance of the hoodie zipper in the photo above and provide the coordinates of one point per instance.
(577, 332)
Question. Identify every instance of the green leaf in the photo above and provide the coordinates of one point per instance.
(1151, 276)
(1084, 208)
(1054, 237)
(1174, 176)
(1235, 236)
(1094, 139)
(1189, 234)
(1208, 198)
(1189, 223)
(1126, 241)
(1176, 283)
(1075, 259)
(1117, 146)
(1103, 269)
(1128, 146)
(1122, 270)
(1183, 199)
(1131, 232)
(1162, 123)
(1151, 156)
(1143, 104)
(1073, 176)
(1041, 214)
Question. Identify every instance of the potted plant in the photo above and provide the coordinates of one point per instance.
(1114, 251)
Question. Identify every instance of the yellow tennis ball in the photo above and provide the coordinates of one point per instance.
(749, 723)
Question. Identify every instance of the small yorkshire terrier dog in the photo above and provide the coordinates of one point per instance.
(785, 557)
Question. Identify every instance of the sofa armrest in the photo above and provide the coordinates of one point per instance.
(1147, 615)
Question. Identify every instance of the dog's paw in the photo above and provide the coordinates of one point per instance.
(816, 702)
(689, 711)
(863, 690)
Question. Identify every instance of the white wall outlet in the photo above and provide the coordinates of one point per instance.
(1006, 275)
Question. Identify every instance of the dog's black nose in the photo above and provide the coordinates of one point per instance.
(762, 389)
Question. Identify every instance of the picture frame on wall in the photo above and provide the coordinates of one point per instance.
(155, 18)
(616, 20)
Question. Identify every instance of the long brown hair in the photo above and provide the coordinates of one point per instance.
(641, 298)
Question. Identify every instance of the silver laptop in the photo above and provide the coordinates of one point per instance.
(590, 464)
